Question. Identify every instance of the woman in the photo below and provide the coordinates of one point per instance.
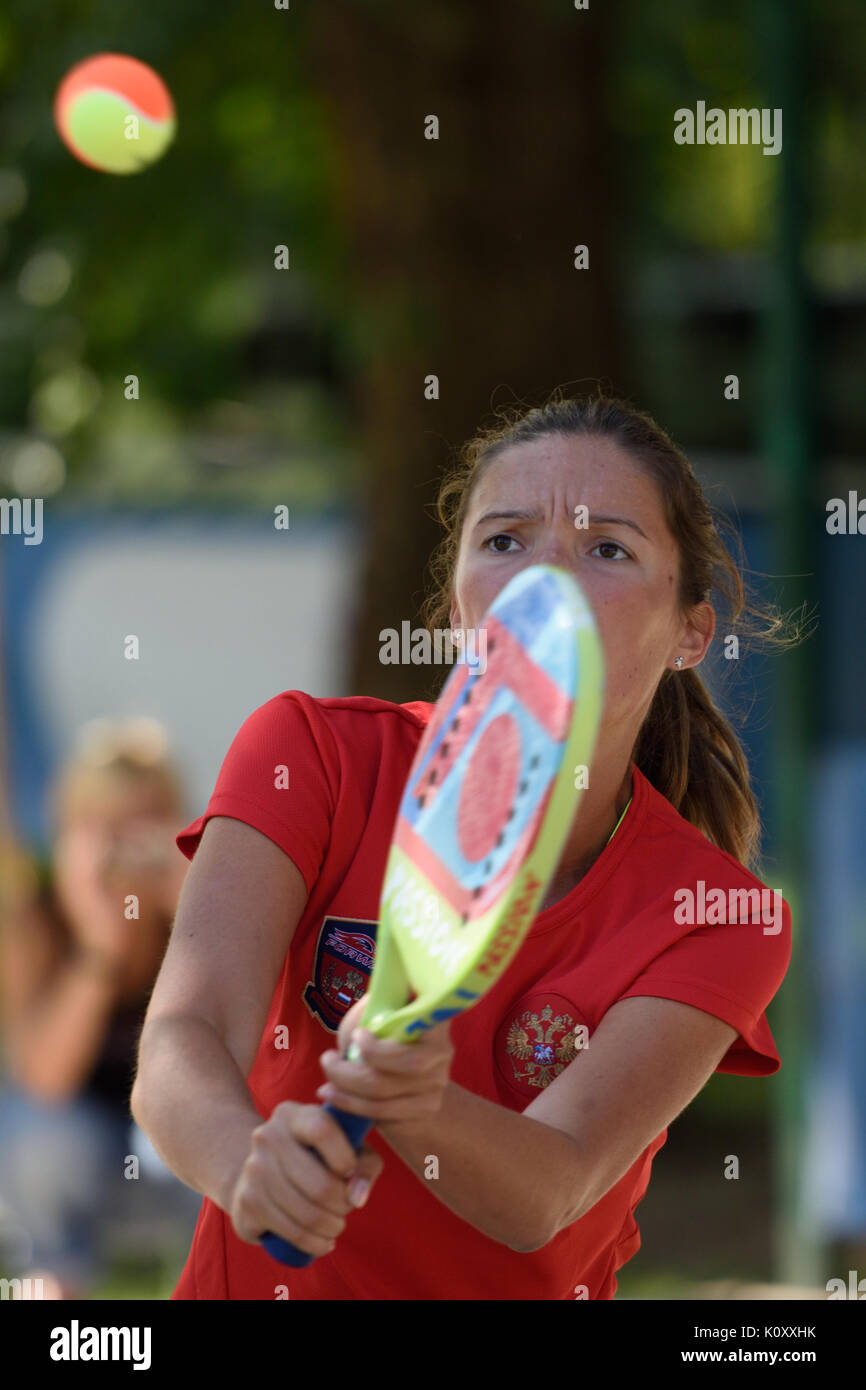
(77, 963)
(507, 1159)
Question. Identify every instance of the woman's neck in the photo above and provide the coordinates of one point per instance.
(602, 804)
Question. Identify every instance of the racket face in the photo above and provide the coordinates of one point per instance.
(487, 806)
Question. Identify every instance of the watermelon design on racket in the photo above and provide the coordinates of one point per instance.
(488, 804)
(487, 807)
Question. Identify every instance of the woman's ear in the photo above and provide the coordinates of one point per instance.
(696, 634)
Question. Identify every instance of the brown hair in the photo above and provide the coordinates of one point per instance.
(686, 747)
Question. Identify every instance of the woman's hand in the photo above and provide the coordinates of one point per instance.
(97, 867)
(147, 862)
(93, 907)
(301, 1179)
(393, 1080)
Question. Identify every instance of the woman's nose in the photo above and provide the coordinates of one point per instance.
(554, 549)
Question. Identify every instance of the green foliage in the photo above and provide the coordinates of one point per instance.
(169, 275)
(676, 54)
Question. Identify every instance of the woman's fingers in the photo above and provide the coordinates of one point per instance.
(349, 1022)
(411, 1106)
(410, 1058)
(370, 1083)
(296, 1179)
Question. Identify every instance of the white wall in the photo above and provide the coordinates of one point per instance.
(226, 618)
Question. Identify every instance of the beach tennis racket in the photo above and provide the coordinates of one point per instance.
(486, 809)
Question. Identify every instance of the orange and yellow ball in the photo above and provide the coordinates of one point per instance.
(114, 113)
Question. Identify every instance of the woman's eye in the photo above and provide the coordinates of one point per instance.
(611, 545)
(499, 549)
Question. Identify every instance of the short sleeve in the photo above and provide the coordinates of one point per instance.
(732, 971)
(278, 777)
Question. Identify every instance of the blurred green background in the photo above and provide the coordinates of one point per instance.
(305, 128)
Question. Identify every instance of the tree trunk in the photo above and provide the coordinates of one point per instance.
(462, 251)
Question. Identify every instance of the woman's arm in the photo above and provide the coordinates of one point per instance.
(55, 1008)
(522, 1178)
(496, 1168)
(294, 1173)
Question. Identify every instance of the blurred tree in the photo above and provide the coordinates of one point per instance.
(462, 247)
(409, 256)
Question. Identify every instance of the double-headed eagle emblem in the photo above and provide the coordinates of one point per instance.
(543, 1043)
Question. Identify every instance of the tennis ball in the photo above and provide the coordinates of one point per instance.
(114, 113)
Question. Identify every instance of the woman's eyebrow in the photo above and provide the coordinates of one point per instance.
(518, 515)
(507, 516)
(617, 521)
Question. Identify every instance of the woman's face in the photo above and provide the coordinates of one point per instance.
(523, 513)
(117, 837)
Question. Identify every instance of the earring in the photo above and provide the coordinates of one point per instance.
(456, 636)
(678, 663)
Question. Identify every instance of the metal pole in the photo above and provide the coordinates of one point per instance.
(787, 439)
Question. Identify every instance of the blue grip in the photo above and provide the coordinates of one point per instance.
(355, 1128)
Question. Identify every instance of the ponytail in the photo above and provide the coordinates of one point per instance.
(690, 753)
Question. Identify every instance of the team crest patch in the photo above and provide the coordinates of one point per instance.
(341, 970)
(536, 1041)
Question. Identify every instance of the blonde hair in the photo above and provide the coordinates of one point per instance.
(131, 752)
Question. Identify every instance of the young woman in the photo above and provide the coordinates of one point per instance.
(75, 978)
(511, 1146)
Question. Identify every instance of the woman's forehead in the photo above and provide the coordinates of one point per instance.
(594, 470)
(106, 797)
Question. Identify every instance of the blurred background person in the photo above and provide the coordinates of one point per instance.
(237, 427)
(78, 957)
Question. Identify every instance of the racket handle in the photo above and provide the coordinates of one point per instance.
(355, 1128)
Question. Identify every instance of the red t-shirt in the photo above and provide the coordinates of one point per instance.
(323, 780)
